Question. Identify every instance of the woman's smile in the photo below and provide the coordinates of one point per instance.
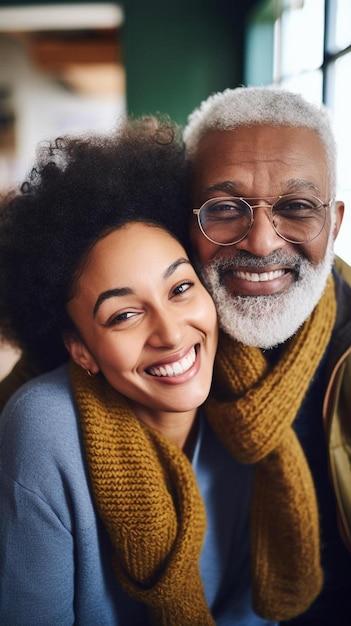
(173, 368)
(149, 327)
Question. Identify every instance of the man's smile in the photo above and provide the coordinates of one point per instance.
(256, 277)
(257, 281)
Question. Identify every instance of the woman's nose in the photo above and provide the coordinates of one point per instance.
(166, 328)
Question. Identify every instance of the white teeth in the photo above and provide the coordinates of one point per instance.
(254, 277)
(176, 368)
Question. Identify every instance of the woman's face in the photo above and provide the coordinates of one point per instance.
(145, 320)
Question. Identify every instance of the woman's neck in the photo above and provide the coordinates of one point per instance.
(180, 428)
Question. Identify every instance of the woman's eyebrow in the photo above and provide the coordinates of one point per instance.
(127, 291)
(111, 293)
(169, 271)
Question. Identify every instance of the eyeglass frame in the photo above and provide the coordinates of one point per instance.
(325, 205)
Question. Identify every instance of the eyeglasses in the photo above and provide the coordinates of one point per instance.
(297, 219)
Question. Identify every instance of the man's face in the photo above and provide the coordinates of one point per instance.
(266, 277)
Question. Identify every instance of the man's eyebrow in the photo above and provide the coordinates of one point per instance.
(169, 271)
(297, 184)
(227, 186)
(110, 293)
(293, 184)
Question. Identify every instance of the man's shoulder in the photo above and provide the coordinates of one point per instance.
(341, 336)
(342, 281)
(343, 268)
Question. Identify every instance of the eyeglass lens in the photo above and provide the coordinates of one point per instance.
(296, 219)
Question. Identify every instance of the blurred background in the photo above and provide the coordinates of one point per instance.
(77, 66)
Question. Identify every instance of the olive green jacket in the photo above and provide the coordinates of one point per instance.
(337, 402)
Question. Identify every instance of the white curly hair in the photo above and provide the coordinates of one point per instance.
(272, 106)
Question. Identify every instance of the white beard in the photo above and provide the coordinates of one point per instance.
(268, 320)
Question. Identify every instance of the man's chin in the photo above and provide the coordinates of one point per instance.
(269, 320)
(266, 321)
(261, 321)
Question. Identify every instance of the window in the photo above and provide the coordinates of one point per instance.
(310, 53)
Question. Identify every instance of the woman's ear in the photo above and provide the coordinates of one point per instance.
(79, 352)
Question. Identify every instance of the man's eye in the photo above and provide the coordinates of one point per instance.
(296, 205)
(226, 211)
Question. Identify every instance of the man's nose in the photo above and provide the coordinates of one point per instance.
(261, 239)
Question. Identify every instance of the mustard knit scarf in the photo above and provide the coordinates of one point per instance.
(251, 409)
(147, 495)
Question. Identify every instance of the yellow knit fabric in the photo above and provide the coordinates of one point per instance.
(147, 496)
(251, 410)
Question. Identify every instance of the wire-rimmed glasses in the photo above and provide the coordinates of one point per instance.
(297, 219)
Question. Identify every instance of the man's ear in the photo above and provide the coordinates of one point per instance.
(79, 352)
(339, 214)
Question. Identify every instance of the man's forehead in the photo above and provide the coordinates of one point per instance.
(246, 145)
(261, 156)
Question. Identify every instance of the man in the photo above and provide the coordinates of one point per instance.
(263, 227)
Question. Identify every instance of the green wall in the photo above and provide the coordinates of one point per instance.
(177, 53)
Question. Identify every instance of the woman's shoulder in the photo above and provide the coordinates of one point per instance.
(50, 392)
(39, 425)
(24, 369)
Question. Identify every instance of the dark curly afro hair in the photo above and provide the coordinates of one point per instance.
(80, 189)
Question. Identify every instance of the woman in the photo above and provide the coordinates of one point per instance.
(101, 517)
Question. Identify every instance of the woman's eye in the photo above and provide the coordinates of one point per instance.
(182, 288)
(120, 318)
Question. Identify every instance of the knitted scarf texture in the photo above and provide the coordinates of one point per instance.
(147, 495)
(251, 409)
